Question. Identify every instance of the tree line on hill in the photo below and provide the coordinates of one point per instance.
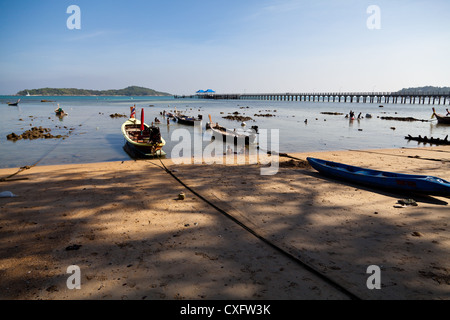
(129, 91)
(426, 89)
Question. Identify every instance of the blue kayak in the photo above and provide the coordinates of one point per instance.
(383, 179)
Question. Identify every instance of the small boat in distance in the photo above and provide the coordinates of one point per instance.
(418, 184)
(13, 103)
(60, 112)
(187, 120)
(441, 118)
(232, 136)
(142, 140)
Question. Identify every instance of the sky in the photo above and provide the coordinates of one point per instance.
(233, 46)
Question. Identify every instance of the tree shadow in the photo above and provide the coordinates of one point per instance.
(340, 236)
(131, 239)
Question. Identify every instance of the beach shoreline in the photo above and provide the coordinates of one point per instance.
(123, 224)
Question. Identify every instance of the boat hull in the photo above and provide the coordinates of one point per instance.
(187, 121)
(60, 113)
(137, 152)
(13, 103)
(440, 118)
(419, 184)
(443, 119)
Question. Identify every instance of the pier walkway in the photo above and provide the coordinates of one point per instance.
(357, 97)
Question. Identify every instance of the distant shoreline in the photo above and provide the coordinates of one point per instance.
(81, 95)
(74, 92)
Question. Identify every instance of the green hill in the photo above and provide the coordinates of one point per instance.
(129, 91)
(427, 89)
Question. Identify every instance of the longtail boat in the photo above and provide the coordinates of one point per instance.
(60, 112)
(183, 119)
(13, 103)
(232, 136)
(142, 139)
(441, 118)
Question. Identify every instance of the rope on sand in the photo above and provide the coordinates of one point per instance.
(402, 156)
(21, 169)
(305, 265)
(8, 178)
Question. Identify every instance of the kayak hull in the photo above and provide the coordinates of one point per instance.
(420, 184)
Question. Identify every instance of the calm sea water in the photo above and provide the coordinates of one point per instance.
(96, 137)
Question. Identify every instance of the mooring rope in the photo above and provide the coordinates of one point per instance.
(401, 156)
(21, 169)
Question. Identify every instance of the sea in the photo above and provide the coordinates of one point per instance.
(92, 135)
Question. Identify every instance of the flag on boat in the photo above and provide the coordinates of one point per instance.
(133, 111)
(142, 120)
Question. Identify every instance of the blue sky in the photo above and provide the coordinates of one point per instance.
(230, 46)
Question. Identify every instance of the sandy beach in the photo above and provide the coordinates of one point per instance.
(124, 225)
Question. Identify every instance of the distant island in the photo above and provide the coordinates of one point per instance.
(427, 89)
(129, 91)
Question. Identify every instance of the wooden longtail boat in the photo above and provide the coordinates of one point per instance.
(14, 103)
(440, 118)
(60, 112)
(142, 139)
(187, 120)
(419, 184)
(231, 136)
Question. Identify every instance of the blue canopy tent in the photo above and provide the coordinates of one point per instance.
(210, 91)
(200, 91)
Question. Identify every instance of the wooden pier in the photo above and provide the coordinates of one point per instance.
(352, 97)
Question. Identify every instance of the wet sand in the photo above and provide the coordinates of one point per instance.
(124, 226)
